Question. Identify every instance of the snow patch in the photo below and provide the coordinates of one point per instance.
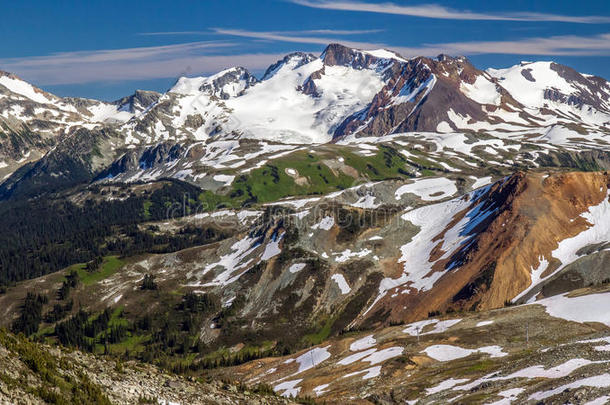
(363, 343)
(340, 280)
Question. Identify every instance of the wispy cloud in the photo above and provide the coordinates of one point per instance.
(134, 63)
(300, 32)
(208, 57)
(440, 12)
(288, 36)
(567, 45)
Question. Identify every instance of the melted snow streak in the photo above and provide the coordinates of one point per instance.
(234, 262)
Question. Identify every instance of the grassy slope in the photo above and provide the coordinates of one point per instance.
(272, 182)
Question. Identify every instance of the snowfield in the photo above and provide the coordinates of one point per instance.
(363, 343)
(341, 283)
(312, 358)
(450, 352)
(428, 189)
(416, 328)
(587, 308)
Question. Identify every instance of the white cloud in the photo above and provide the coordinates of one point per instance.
(206, 57)
(289, 37)
(440, 12)
(566, 45)
(133, 63)
(300, 32)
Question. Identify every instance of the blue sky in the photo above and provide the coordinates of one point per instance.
(107, 49)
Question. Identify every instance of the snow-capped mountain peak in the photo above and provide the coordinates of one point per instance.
(225, 84)
(291, 61)
(345, 92)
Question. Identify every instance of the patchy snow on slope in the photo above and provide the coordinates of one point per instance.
(326, 223)
(347, 254)
(482, 91)
(598, 232)
(532, 372)
(295, 268)
(559, 371)
(363, 343)
(444, 127)
(382, 355)
(23, 88)
(508, 396)
(445, 385)
(371, 372)
(273, 247)
(493, 351)
(447, 352)
(586, 308)
(352, 358)
(480, 182)
(289, 387)
(231, 262)
(432, 220)
(430, 189)
(342, 283)
(367, 201)
(416, 328)
(603, 400)
(598, 381)
(312, 358)
(224, 178)
(103, 112)
(408, 93)
(450, 352)
(483, 323)
(320, 389)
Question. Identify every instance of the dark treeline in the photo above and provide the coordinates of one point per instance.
(31, 314)
(45, 235)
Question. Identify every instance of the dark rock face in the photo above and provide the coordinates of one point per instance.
(69, 164)
(139, 101)
(432, 87)
(592, 90)
(143, 159)
(162, 153)
(527, 73)
(231, 76)
(339, 55)
(309, 87)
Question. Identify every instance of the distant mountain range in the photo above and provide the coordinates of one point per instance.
(343, 93)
